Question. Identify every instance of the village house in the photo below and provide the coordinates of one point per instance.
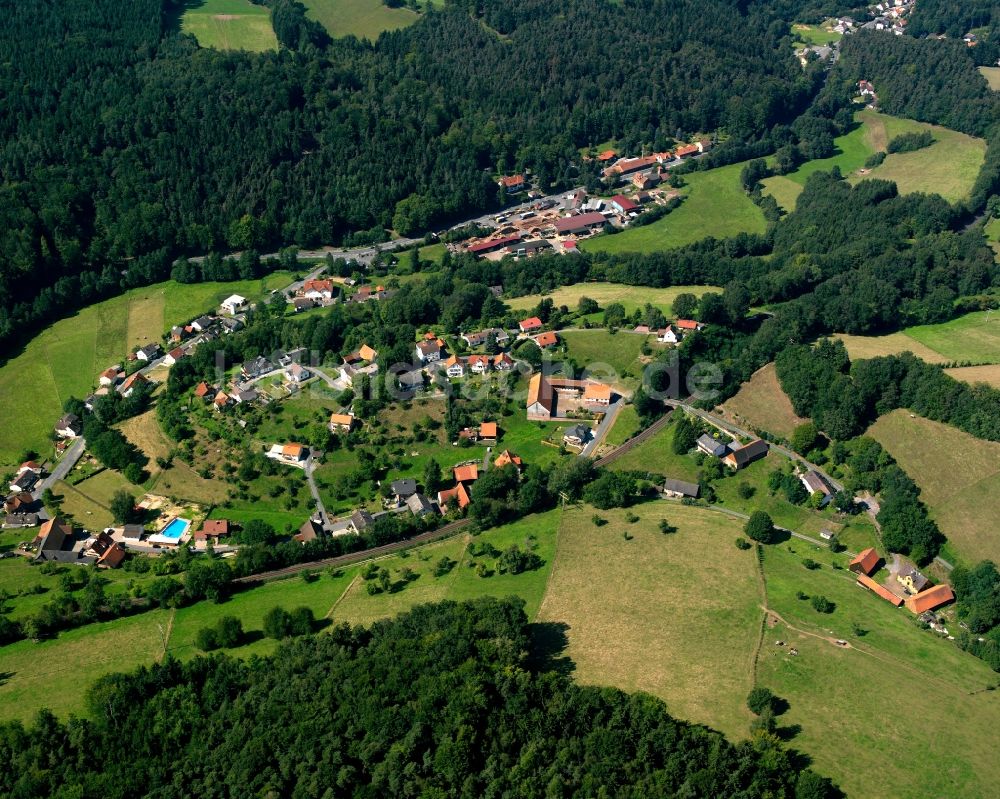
(865, 562)
(744, 456)
(212, 528)
(912, 580)
(230, 325)
(597, 394)
(466, 473)
(69, 426)
(256, 367)
(540, 401)
(469, 434)
(233, 304)
(479, 364)
(341, 422)
(689, 325)
(646, 180)
(297, 373)
(513, 184)
(149, 353)
(502, 362)
(668, 335)
(56, 542)
(488, 432)
(428, 351)
(178, 333)
(360, 520)
(622, 205)
(202, 323)
(24, 481)
(577, 435)
(455, 367)
(530, 325)
(110, 376)
(479, 338)
(301, 304)
(174, 356)
(546, 339)
(813, 483)
(508, 458)
(403, 488)
(109, 553)
(133, 380)
(457, 496)
(246, 395)
(419, 505)
(318, 290)
(222, 400)
(678, 489)
(132, 532)
(20, 501)
(711, 446)
(14, 521)
(310, 530)
(292, 454)
(204, 391)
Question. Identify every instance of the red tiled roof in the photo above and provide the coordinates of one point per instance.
(881, 590)
(624, 203)
(488, 430)
(531, 323)
(467, 473)
(866, 561)
(493, 244)
(930, 599)
(215, 527)
(577, 221)
(687, 324)
(513, 180)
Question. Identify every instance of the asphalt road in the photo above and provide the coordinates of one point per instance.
(63, 468)
(602, 429)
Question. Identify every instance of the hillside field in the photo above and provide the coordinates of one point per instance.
(958, 476)
(992, 231)
(948, 167)
(990, 374)
(65, 358)
(681, 626)
(992, 75)
(816, 34)
(764, 405)
(229, 25)
(715, 205)
(365, 19)
(631, 297)
(594, 349)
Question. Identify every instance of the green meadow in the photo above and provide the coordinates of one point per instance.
(229, 25)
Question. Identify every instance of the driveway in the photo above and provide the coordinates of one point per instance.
(63, 468)
(602, 429)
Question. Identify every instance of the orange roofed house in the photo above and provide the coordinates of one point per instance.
(597, 394)
(451, 497)
(508, 458)
(865, 563)
(467, 473)
(488, 431)
(546, 339)
(530, 324)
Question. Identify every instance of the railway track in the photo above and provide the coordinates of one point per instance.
(453, 528)
(633, 442)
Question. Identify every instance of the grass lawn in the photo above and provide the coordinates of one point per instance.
(631, 297)
(972, 337)
(66, 357)
(56, 673)
(992, 75)
(859, 347)
(959, 477)
(851, 710)
(656, 455)
(365, 19)
(948, 167)
(625, 427)
(673, 615)
(715, 205)
(764, 405)
(816, 34)
(596, 350)
(88, 502)
(230, 25)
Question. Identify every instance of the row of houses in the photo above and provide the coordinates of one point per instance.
(58, 542)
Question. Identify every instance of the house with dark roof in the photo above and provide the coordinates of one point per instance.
(403, 488)
(577, 435)
(310, 530)
(133, 532)
(813, 483)
(711, 446)
(55, 542)
(15, 520)
(69, 426)
(680, 488)
(149, 353)
(912, 580)
(360, 519)
(24, 481)
(202, 323)
(580, 224)
(256, 367)
(419, 505)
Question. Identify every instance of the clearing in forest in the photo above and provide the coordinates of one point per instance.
(763, 404)
(992, 75)
(630, 297)
(230, 25)
(365, 19)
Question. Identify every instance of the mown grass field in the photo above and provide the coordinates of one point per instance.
(948, 167)
(365, 19)
(816, 34)
(992, 75)
(630, 297)
(625, 426)
(229, 25)
(990, 375)
(673, 615)
(89, 501)
(764, 405)
(66, 357)
(596, 350)
(715, 205)
(859, 347)
(656, 455)
(992, 231)
(852, 710)
(959, 478)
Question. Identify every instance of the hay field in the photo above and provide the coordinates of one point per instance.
(673, 615)
(230, 25)
(764, 405)
(958, 475)
(631, 297)
(365, 19)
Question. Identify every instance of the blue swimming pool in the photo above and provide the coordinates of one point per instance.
(175, 529)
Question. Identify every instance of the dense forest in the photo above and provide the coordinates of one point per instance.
(124, 143)
(980, 17)
(440, 702)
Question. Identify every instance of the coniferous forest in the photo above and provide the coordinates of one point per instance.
(439, 702)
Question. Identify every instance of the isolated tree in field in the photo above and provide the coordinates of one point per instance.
(586, 306)
(804, 438)
(760, 699)
(760, 527)
(122, 507)
(277, 623)
(229, 632)
(822, 605)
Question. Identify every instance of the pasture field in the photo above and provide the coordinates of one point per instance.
(56, 673)
(977, 374)
(229, 25)
(972, 337)
(762, 402)
(992, 75)
(625, 426)
(816, 34)
(860, 347)
(65, 358)
(948, 167)
(992, 231)
(656, 455)
(622, 351)
(89, 501)
(844, 703)
(715, 205)
(632, 298)
(958, 476)
(674, 615)
(365, 19)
